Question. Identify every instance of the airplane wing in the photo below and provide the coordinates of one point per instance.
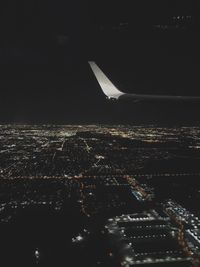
(113, 93)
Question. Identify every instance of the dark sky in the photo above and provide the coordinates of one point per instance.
(45, 46)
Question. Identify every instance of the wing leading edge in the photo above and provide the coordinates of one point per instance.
(112, 92)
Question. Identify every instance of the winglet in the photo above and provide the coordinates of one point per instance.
(108, 88)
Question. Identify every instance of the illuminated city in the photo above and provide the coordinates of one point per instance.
(100, 133)
(129, 189)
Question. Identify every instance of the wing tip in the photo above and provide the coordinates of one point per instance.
(108, 88)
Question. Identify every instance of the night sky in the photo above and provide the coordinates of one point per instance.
(45, 46)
